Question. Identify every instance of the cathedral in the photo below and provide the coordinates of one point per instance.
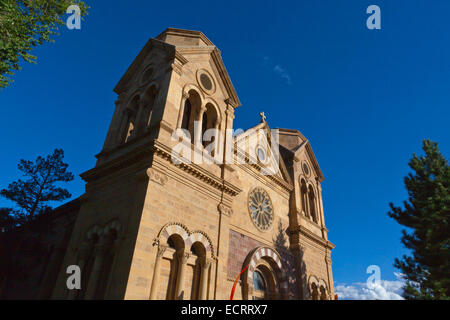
(172, 212)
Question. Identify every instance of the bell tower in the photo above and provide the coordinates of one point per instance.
(135, 194)
(178, 81)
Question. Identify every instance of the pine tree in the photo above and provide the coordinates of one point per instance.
(32, 195)
(426, 214)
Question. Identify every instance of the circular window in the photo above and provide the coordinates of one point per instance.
(306, 169)
(260, 209)
(261, 154)
(205, 81)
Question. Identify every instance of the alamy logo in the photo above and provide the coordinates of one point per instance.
(74, 280)
(374, 20)
(74, 20)
(374, 280)
(236, 147)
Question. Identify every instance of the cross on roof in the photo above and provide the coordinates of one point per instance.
(263, 117)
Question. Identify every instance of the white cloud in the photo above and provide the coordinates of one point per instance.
(382, 290)
(282, 73)
(278, 70)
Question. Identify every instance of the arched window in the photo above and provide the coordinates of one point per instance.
(304, 196)
(259, 284)
(191, 110)
(128, 126)
(209, 121)
(314, 292)
(176, 244)
(149, 102)
(323, 293)
(312, 204)
(199, 253)
(185, 123)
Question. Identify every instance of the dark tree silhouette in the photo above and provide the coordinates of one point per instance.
(22, 227)
(33, 194)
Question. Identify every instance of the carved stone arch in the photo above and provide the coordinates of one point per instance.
(202, 237)
(273, 257)
(190, 86)
(113, 225)
(211, 101)
(313, 279)
(313, 287)
(173, 228)
(95, 230)
(147, 88)
(135, 93)
(325, 294)
(314, 212)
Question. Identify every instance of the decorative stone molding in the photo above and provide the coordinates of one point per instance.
(224, 209)
(161, 250)
(183, 257)
(178, 61)
(206, 263)
(197, 171)
(157, 176)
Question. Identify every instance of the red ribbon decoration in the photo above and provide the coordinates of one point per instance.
(235, 283)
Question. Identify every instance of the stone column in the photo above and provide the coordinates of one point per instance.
(124, 119)
(182, 261)
(320, 209)
(140, 118)
(111, 138)
(99, 254)
(156, 271)
(215, 150)
(204, 264)
(198, 130)
(184, 97)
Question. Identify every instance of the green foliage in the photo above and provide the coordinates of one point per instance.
(427, 215)
(25, 24)
(32, 195)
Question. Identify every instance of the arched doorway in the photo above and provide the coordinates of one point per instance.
(265, 277)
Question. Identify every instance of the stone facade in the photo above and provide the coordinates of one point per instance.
(151, 228)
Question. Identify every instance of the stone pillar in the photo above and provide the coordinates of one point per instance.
(111, 138)
(182, 261)
(198, 129)
(215, 150)
(204, 264)
(184, 97)
(156, 272)
(123, 127)
(99, 254)
(320, 209)
(140, 118)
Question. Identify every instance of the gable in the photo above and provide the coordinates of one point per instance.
(300, 148)
(256, 147)
(178, 46)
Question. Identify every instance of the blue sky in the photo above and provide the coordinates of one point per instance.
(364, 98)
